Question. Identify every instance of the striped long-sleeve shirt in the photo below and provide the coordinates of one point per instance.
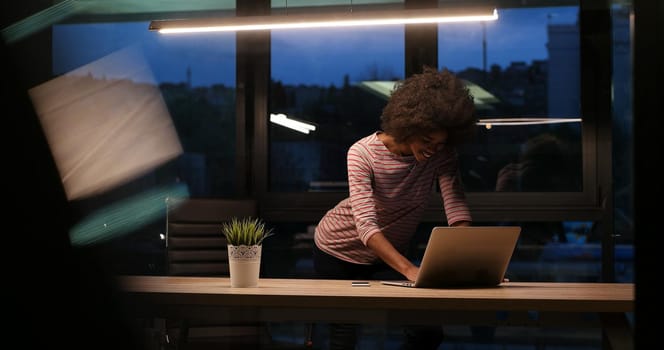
(388, 194)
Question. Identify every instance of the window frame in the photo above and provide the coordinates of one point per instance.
(594, 203)
(421, 47)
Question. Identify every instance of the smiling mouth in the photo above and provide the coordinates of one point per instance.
(427, 154)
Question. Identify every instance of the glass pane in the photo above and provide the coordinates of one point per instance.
(568, 251)
(330, 79)
(563, 251)
(523, 71)
(529, 158)
(548, 251)
(623, 137)
(196, 78)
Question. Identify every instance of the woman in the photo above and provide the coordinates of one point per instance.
(391, 174)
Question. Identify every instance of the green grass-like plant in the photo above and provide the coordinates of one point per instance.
(245, 231)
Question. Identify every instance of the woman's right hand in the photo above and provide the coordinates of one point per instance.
(411, 273)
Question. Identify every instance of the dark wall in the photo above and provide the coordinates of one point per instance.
(57, 295)
(648, 125)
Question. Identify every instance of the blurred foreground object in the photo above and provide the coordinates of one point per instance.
(106, 123)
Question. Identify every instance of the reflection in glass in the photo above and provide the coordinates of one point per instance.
(623, 136)
(528, 158)
(196, 78)
(317, 79)
(551, 251)
(339, 80)
(567, 251)
(529, 61)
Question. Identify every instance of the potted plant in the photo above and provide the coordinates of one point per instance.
(245, 241)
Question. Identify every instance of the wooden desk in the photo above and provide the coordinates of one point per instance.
(277, 300)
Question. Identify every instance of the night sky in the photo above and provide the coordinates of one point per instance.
(320, 57)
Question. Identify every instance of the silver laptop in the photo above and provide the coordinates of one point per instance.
(465, 256)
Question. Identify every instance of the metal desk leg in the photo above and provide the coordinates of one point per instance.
(617, 332)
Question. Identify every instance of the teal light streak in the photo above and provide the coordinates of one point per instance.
(125, 216)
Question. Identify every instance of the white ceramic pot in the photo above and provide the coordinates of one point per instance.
(244, 263)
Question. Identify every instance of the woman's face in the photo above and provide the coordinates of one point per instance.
(425, 146)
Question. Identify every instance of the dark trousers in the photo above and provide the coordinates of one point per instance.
(344, 336)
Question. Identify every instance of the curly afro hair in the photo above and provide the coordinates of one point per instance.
(432, 100)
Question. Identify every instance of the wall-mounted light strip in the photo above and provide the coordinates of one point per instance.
(283, 120)
(489, 123)
(325, 20)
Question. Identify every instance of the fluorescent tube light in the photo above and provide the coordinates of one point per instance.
(489, 123)
(283, 120)
(325, 20)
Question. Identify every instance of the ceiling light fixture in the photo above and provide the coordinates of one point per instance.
(325, 20)
(489, 123)
(296, 125)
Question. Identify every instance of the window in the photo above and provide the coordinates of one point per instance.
(331, 79)
(523, 71)
(623, 136)
(530, 63)
(196, 78)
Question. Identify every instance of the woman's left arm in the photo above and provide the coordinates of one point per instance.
(452, 193)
